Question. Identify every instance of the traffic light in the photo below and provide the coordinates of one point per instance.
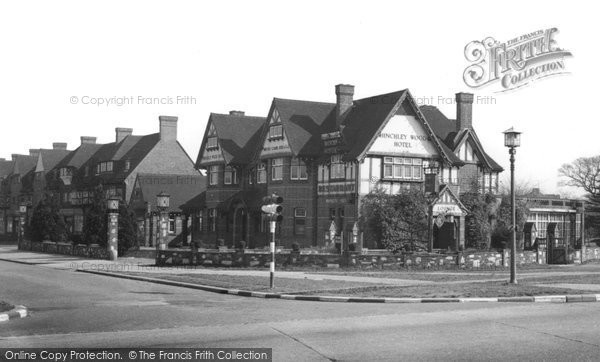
(272, 206)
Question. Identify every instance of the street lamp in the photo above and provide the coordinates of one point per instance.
(112, 205)
(162, 203)
(512, 140)
(430, 169)
(22, 213)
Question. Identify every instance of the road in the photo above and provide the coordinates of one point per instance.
(71, 309)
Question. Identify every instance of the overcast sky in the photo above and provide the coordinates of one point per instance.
(239, 55)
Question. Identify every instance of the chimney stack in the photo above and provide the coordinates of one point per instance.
(344, 97)
(59, 146)
(237, 113)
(87, 140)
(14, 156)
(34, 152)
(168, 128)
(121, 133)
(464, 111)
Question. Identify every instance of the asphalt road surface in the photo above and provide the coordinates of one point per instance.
(71, 309)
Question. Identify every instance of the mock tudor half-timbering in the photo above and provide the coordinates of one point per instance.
(322, 158)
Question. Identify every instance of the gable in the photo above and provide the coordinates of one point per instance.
(213, 151)
(467, 150)
(404, 134)
(275, 142)
(446, 203)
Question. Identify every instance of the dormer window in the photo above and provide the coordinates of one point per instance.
(103, 167)
(212, 143)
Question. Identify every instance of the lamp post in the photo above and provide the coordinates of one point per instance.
(21, 231)
(162, 203)
(112, 205)
(430, 169)
(512, 140)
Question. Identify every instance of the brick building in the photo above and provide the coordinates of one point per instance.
(72, 176)
(322, 158)
(182, 189)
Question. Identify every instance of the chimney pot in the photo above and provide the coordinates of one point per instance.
(168, 128)
(88, 140)
(464, 111)
(344, 99)
(121, 133)
(237, 113)
(59, 146)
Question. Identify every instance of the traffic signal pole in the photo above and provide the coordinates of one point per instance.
(272, 266)
(272, 207)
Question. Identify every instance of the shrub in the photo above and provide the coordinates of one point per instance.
(46, 222)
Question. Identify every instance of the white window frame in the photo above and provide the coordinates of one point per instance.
(213, 171)
(261, 173)
(277, 169)
(298, 170)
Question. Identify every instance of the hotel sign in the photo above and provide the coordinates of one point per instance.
(403, 135)
(332, 142)
(332, 188)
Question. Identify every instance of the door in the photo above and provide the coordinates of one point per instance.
(444, 237)
(558, 246)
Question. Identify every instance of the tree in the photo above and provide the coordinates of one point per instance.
(584, 173)
(502, 232)
(396, 222)
(46, 222)
(95, 222)
(479, 222)
(127, 229)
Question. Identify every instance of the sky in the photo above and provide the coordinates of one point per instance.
(60, 60)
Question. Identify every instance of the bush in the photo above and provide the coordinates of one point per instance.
(127, 229)
(395, 221)
(295, 246)
(46, 222)
(241, 245)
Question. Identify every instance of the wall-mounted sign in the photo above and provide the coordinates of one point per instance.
(273, 147)
(403, 134)
(328, 188)
(450, 209)
(212, 156)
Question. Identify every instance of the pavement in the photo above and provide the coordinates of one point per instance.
(146, 266)
(81, 310)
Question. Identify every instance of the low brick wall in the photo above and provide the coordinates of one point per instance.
(87, 251)
(369, 260)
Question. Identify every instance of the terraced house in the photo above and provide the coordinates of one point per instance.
(23, 182)
(73, 176)
(322, 158)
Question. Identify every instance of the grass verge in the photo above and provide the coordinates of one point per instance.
(256, 283)
(342, 288)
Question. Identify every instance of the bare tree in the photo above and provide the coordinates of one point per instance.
(584, 172)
